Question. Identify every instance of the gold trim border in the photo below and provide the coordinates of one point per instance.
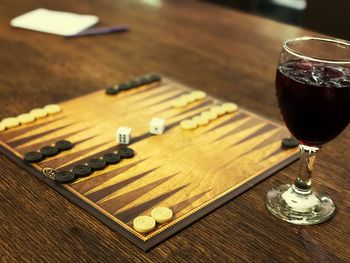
(189, 213)
(163, 228)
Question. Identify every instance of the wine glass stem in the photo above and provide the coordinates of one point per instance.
(302, 184)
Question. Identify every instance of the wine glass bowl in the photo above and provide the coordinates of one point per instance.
(313, 93)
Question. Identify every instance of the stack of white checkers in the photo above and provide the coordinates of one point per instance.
(186, 99)
(160, 215)
(30, 117)
(205, 117)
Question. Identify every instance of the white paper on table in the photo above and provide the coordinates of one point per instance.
(54, 22)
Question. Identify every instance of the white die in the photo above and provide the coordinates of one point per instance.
(157, 126)
(123, 135)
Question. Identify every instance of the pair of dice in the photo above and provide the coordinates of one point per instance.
(157, 127)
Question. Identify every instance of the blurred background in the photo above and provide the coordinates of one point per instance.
(324, 16)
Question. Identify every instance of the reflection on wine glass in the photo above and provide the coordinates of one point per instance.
(313, 93)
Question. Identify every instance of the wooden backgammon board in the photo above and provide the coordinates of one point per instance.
(192, 172)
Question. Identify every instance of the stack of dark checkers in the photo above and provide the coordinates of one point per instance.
(93, 165)
(138, 82)
(191, 172)
(47, 151)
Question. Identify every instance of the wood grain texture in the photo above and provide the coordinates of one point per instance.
(170, 170)
(227, 53)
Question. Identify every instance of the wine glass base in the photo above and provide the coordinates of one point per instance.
(300, 209)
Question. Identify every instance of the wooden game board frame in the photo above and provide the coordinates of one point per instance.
(174, 227)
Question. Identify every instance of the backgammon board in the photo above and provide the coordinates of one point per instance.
(192, 172)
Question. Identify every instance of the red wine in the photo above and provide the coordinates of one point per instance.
(314, 100)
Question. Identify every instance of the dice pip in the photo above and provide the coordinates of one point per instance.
(123, 135)
(157, 126)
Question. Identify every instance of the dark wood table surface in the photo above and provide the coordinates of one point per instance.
(225, 52)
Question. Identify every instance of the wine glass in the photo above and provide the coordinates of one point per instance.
(313, 93)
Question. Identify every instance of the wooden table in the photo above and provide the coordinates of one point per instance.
(227, 53)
